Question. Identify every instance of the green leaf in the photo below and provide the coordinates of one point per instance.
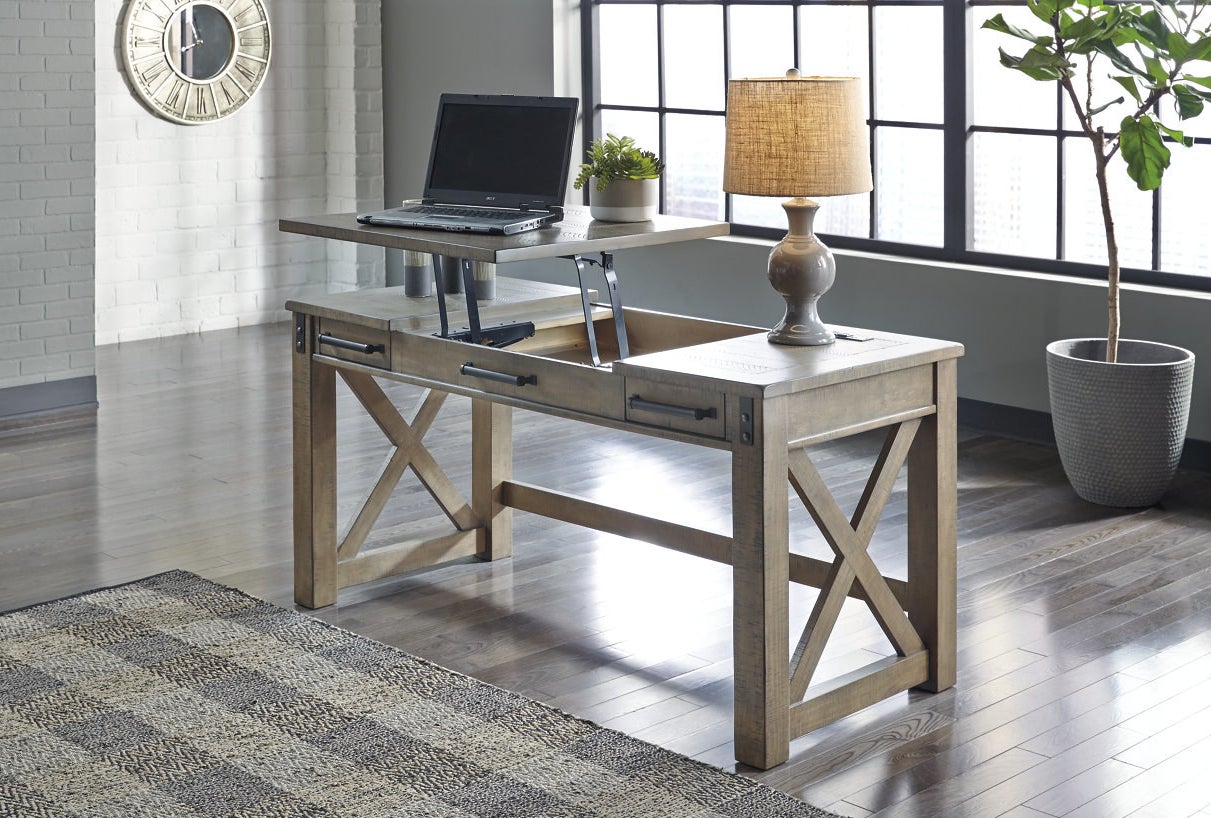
(1132, 89)
(1120, 60)
(1038, 63)
(1203, 81)
(1100, 108)
(1046, 9)
(1144, 151)
(1177, 46)
(1201, 93)
(1176, 135)
(1123, 33)
(1189, 104)
(1199, 50)
(1080, 27)
(1153, 29)
(1156, 71)
(998, 23)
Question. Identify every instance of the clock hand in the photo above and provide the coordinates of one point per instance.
(194, 44)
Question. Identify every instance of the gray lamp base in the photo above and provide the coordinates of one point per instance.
(801, 269)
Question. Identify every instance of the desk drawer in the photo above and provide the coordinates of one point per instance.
(351, 342)
(668, 406)
(545, 380)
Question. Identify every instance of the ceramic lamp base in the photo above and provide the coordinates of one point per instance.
(801, 269)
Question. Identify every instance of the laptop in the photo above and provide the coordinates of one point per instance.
(499, 164)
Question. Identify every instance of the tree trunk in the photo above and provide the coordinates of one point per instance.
(1112, 282)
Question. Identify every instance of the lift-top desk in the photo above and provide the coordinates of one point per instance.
(701, 382)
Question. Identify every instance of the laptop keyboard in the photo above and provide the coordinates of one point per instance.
(474, 212)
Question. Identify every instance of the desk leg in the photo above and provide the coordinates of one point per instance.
(760, 580)
(932, 531)
(491, 465)
(314, 411)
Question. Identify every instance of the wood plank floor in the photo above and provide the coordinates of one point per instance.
(1085, 633)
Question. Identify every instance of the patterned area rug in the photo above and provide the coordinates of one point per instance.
(173, 696)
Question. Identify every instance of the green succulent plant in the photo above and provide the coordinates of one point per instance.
(617, 158)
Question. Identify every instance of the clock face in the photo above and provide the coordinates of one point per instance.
(196, 61)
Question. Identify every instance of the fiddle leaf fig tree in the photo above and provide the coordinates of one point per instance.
(1150, 53)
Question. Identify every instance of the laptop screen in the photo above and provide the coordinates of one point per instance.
(502, 151)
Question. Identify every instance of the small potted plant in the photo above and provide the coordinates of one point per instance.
(1119, 407)
(623, 180)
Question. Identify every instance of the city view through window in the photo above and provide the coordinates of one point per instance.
(1028, 185)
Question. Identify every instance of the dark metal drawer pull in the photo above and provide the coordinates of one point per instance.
(356, 346)
(636, 402)
(473, 371)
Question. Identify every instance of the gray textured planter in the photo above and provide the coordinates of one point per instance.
(1119, 427)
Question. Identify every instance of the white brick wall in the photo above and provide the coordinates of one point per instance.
(46, 191)
(187, 236)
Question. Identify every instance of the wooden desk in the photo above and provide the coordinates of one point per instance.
(702, 382)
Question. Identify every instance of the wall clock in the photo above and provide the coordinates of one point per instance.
(195, 61)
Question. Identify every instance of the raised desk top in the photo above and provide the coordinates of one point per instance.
(576, 234)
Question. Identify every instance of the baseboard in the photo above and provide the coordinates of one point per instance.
(1033, 426)
(40, 403)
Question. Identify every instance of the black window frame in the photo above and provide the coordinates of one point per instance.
(956, 129)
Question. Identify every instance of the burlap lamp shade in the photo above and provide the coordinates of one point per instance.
(798, 137)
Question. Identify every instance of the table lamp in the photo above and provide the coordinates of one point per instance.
(797, 136)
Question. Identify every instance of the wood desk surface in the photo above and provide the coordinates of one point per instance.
(750, 363)
(576, 234)
(744, 362)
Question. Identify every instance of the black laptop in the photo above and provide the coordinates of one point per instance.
(499, 164)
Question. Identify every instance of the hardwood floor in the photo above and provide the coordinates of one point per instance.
(1084, 633)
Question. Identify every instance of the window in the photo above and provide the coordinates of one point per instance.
(972, 162)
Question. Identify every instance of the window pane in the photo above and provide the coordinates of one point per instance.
(1001, 96)
(642, 125)
(1186, 241)
(762, 211)
(1084, 233)
(908, 55)
(834, 41)
(628, 74)
(844, 215)
(762, 44)
(908, 183)
(1013, 197)
(837, 216)
(693, 57)
(694, 177)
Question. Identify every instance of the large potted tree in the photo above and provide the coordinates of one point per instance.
(1119, 407)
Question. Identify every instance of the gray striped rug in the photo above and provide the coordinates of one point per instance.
(173, 696)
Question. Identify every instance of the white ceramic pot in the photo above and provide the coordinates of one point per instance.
(624, 200)
(1119, 427)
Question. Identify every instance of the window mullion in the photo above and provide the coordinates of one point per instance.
(956, 119)
(871, 104)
